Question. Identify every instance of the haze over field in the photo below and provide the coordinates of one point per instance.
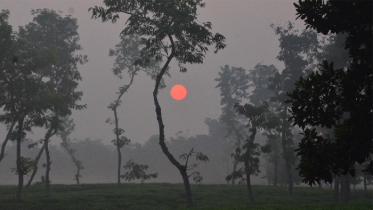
(250, 40)
(228, 92)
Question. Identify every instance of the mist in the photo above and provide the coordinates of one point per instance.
(243, 121)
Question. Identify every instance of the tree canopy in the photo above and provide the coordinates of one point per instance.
(336, 98)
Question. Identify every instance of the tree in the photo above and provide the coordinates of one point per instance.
(294, 46)
(126, 52)
(51, 29)
(137, 171)
(6, 57)
(68, 127)
(167, 29)
(249, 150)
(260, 78)
(233, 85)
(25, 96)
(336, 98)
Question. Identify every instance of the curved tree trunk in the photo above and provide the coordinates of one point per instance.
(162, 143)
(114, 108)
(76, 162)
(2, 153)
(35, 169)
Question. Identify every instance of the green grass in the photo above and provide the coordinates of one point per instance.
(171, 196)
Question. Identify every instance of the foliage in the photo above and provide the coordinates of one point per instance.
(157, 21)
(199, 157)
(337, 98)
(166, 29)
(137, 171)
(26, 165)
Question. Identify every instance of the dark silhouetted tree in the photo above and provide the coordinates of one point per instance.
(338, 98)
(168, 29)
(51, 29)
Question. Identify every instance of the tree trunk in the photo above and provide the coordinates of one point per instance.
(35, 169)
(47, 168)
(247, 165)
(162, 143)
(19, 168)
(336, 188)
(118, 146)
(188, 191)
(77, 175)
(345, 189)
(235, 163)
(2, 153)
(331, 185)
(320, 185)
(285, 153)
(275, 173)
(47, 155)
(365, 182)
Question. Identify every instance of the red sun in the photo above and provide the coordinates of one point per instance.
(178, 92)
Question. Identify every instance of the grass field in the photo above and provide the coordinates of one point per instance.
(171, 196)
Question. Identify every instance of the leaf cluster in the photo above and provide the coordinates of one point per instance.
(137, 171)
(166, 28)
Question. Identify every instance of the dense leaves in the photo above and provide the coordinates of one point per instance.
(337, 98)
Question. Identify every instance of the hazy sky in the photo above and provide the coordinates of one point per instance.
(249, 38)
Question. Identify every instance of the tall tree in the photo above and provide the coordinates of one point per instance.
(233, 84)
(294, 46)
(250, 151)
(126, 52)
(26, 97)
(51, 29)
(260, 78)
(336, 98)
(167, 29)
(6, 57)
